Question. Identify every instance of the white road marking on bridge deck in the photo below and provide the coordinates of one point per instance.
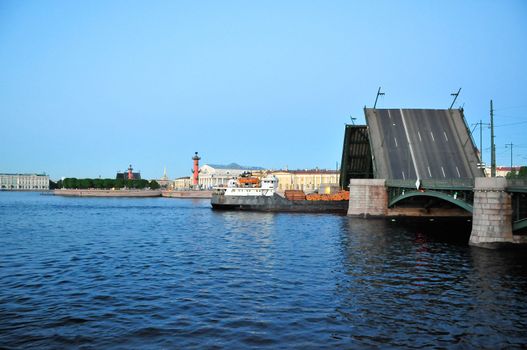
(409, 144)
(432, 134)
(419, 134)
(458, 174)
(404, 177)
(446, 137)
(383, 138)
(395, 139)
(443, 170)
(429, 172)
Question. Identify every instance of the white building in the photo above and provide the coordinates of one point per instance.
(24, 182)
(305, 180)
(213, 175)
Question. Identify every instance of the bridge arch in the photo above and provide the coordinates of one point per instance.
(435, 194)
(519, 225)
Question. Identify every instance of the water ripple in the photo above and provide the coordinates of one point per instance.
(160, 273)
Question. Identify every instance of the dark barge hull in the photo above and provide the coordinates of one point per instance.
(276, 203)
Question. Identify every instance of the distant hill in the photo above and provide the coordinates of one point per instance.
(235, 166)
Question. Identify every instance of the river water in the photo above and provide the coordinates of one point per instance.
(103, 273)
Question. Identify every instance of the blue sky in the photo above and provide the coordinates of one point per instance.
(87, 87)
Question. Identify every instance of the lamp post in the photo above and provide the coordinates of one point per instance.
(492, 145)
(379, 93)
(507, 146)
(455, 94)
(481, 164)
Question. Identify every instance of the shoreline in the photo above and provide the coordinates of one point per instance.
(107, 193)
(131, 193)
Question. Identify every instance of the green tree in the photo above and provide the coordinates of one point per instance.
(98, 183)
(108, 183)
(70, 182)
(119, 183)
(85, 183)
(522, 173)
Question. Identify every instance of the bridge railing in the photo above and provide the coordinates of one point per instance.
(458, 189)
(446, 184)
(518, 190)
(517, 185)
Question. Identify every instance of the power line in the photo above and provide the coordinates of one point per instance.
(510, 124)
(511, 107)
(507, 115)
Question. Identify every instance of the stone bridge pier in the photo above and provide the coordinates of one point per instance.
(368, 198)
(492, 214)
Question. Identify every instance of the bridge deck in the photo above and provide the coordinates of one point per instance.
(421, 144)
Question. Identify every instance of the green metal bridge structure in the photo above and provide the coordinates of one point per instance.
(427, 159)
(455, 193)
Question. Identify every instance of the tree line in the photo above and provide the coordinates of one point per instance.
(74, 183)
(520, 174)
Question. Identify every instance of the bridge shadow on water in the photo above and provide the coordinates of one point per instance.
(442, 230)
(445, 230)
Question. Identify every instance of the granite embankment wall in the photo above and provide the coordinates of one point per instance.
(132, 193)
(187, 194)
(107, 193)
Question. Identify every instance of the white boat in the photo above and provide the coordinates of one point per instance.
(268, 188)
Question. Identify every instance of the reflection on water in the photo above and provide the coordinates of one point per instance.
(410, 283)
(171, 273)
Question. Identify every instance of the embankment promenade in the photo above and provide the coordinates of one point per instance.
(131, 193)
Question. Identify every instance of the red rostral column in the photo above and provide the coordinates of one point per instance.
(196, 159)
(130, 173)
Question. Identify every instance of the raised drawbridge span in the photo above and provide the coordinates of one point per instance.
(423, 162)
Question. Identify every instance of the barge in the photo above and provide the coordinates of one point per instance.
(266, 198)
